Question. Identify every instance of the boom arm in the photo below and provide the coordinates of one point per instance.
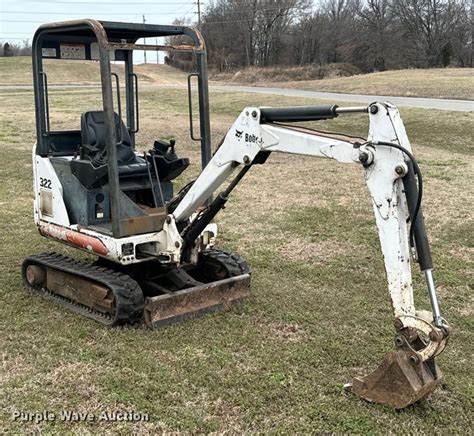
(384, 169)
(388, 169)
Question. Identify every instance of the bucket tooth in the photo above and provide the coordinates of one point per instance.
(401, 379)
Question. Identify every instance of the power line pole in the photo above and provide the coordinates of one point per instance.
(144, 40)
(156, 43)
(199, 14)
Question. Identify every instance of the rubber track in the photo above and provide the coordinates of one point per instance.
(128, 294)
(234, 263)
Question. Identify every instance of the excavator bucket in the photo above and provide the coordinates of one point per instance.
(202, 299)
(402, 379)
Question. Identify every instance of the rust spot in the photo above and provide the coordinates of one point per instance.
(195, 301)
(72, 237)
(400, 380)
(88, 242)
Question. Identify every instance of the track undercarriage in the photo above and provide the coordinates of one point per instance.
(115, 295)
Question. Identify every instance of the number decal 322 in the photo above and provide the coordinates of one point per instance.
(45, 183)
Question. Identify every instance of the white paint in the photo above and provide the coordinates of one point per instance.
(44, 171)
(244, 139)
(384, 184)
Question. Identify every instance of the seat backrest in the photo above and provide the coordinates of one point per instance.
(93, 134)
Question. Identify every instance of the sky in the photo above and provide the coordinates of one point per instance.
(20, 18)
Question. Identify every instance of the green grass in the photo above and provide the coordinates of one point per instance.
(319, 313)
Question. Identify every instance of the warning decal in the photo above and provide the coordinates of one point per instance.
(73, 51)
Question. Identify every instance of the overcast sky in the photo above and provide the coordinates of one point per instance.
(20, 18)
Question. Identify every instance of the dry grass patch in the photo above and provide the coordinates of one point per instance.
(286, 333)
(464, 253)
(299, 248)
(229, 415)
(457, 83)
(13, 367)
(79, 377)
(17, 71)
(468, 309)
(158, 74)
(450, 174)
(255, 75)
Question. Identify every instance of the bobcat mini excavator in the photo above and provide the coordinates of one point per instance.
(156, 259)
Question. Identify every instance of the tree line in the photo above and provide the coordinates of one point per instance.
(374, 35)
(13, 49)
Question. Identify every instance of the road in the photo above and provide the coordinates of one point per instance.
(424, 103)
(416, 102)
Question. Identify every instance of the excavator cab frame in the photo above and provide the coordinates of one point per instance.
(105, 41)
(95, 192)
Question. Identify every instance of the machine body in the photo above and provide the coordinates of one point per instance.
(156, 259)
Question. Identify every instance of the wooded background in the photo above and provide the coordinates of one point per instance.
(373, 35)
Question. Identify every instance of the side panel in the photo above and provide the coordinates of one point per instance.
(166, 243)
(49, 204)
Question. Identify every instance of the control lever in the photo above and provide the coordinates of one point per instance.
(165, 148)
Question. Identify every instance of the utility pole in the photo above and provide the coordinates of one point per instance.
(144, 40)
(199, 14)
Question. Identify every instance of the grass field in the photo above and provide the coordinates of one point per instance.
(319, 313)
(17, 71)
(457, 83)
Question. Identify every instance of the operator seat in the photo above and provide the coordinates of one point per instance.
(91, 168)
(93, 138)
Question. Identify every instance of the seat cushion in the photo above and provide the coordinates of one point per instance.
(137, 168)
(91, 176)
(93, 136)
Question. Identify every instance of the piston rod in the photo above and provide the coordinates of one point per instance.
(437, 318)
(352, 109)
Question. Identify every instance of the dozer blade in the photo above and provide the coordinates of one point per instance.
(402, 379)
(195, 301)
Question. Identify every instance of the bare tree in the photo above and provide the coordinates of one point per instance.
(254, 30)
(430, 26)
(14, 49)
(463, 36)
(341, 26)
(182, 60)
(371, 34)
(376, 20)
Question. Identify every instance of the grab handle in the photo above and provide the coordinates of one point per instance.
(190, 104)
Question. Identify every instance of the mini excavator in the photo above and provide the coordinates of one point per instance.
(156, 261)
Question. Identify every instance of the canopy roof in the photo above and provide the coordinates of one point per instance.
(113, 33)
